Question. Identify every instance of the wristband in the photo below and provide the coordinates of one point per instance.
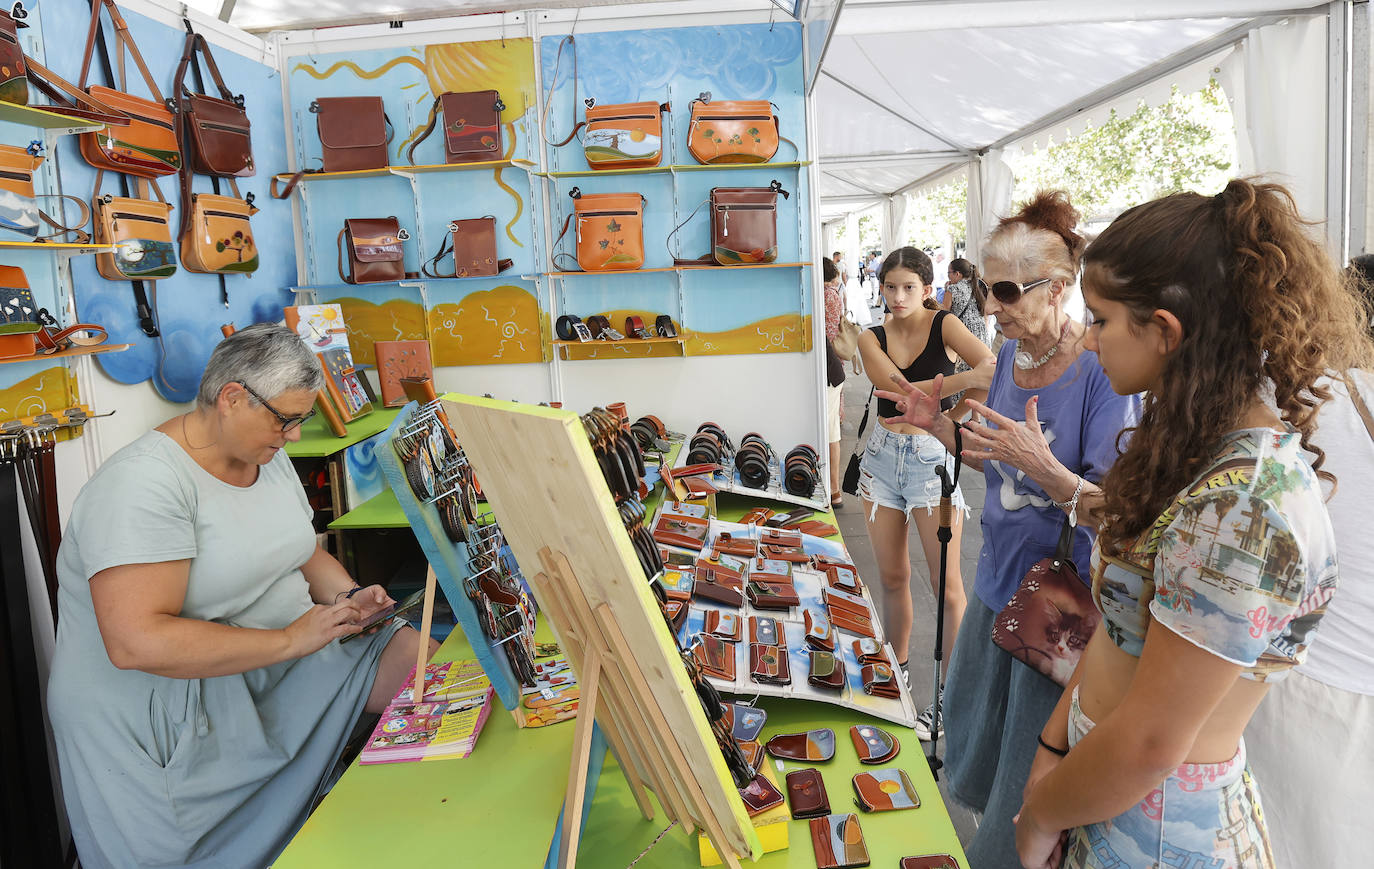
(349, 594)
(1062, 752)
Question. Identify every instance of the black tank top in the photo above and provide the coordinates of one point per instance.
(933, 360)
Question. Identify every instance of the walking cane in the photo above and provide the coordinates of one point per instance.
(948, 483)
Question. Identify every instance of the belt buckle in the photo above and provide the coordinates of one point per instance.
(582, 332)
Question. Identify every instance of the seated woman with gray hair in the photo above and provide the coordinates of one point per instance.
(198, 694)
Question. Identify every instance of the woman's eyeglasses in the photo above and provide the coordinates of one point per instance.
(287, 422)
(1010, 292)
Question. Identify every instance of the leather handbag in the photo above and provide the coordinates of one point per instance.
(375, 254)
(19, 317)
(744, 224)
(472, 127)
(850, 484)
(732, 131)
(19, 211)
(873, 744)
(624, 135)
(472, 242)
(14, 79)
(846, 342)
(610, 231)
(140, 231)
(885, 790)
(1049, 620)
(354, 132)
(760, 795)
(147, 147)
(217, 237)
(814, 746)
(216, 129)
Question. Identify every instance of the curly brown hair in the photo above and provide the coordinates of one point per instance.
(1262, 307)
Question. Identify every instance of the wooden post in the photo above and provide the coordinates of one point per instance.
(426, 622)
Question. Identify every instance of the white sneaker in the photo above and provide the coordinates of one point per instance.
(927, 718)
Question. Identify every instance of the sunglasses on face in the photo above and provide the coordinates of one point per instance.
(1010, 292)
(287, 422)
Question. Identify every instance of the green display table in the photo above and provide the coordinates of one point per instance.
(318, 441)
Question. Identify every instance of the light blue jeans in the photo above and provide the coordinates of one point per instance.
(898, 471)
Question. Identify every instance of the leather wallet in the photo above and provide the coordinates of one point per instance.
(674, 529)
(806, 796)
(827, 671)
(756, 516)
(873, 744)
(929, 861)
(769, 664)
(722, 567)
(772, 595)
(786, 553)
(760, 795)
(752, 750)
(677, 611)
(849, 612)
(770, 570)
(838, 842)
(724, 625)
(886, 790)
(767, 631)
(786, 539)
(814, 746)
(745, 722)
(820, 633)
(718, 592)
(796, 514)
(879, 680)
(869, 651)
(676, 559)
(677, 584)
(844, 577)
(715, 657)
(732, 545)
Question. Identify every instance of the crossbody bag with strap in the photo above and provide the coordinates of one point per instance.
(619, 135)
(471, 126)
(19, 211)
(473, 244)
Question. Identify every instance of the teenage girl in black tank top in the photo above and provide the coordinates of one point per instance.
(897, 480)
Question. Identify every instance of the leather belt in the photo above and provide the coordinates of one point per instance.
(634, 328)
(52, 342)
(663, 326)
(565, 327)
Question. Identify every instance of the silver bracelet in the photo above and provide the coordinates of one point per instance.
(1071, 506)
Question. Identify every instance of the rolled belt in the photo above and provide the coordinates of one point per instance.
(565, 327)
(634, 328)
(663, 326)
(53, 342)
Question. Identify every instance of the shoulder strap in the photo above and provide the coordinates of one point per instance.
(668, 242)
(67, 97)
(1360, 406)
(124, 40)
(339, 242)
(881, 334)
(410, 152)
(80, 236)
(434, 261)
(863, 421)
(553, 83)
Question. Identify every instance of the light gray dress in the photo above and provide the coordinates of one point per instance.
(216, 772)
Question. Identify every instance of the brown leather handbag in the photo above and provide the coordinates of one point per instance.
(732, 131)
(141, 233)
(472, 127)
(14, 79)
(147, 147)
(375, 254)
(217, 237)
(610, 231)
(217, 131)
(744, 224)
(353, 132)
(473, 244)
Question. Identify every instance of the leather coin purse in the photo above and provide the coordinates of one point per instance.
(788, 539)
(826, 670)
(760, 795)
(793, 554)
(844, 577)
(732, 545)
(929, 861)
(838, 842)
(820, 633)
(772, 595)
(724, 625)
(715, 657)
(879, 680)
(675, 529)
(769, 664)
(745, 722)
(720, 592)
(770, 570)
(813, 746)
(677, 584)
(869, 651)
(767, 631)
(752, 750)
(885, 790)
(873, 744)
(806, 796)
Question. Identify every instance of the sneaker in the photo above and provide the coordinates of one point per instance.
(926, 718)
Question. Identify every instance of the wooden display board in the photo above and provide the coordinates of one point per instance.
(540, 475)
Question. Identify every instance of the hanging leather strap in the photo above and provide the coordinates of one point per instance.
(123, 41)
(553, 83)
(66, 97)
(410, 152)
(54, 342)
(80, 236)
(339, 242)
(291, 184)
(189, 60)
(147, 316)
(554, 247)
(197, 43)
(668, 242)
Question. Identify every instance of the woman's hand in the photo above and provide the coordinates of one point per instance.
(917, 408)
(1021, 445)
(321, 625)
(981, 374)
(371, 599)
(1038, 848)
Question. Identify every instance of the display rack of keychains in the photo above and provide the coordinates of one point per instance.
(438, 492)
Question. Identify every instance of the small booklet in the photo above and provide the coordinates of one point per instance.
(457, 699)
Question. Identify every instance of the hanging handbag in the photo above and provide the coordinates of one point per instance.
(850, 484)
(19, 319)
(744, 224)
(473, 243)
(147, 147)
(732, 131)
(1049, 620)
(217, 131)
(846, 342)
(217, 238)
(14, 79)
(19, 211)
(472, 127)
(375, 254)
(610, 231)
(141, 233)
(354, 132)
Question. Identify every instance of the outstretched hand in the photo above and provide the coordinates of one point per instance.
(916, 407)
(1022, 445)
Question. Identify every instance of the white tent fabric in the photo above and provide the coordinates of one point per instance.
(894, 220)
(989, 198)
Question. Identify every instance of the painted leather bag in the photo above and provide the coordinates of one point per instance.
(14, 79)
(19, 319)
(141, 233)
(732, 131)
(217, 133)
(471, 126)
(147, 147)
(624, 135)
(744, 224)
(375, 254)
(19, 211)
(217, 238)
(473, 244)
(353, 132)
(610, 230)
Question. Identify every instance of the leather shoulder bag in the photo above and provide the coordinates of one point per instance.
(217, 237)
(14, 79)
(473, 244)
(471, 124)
(610, 231)
(619, 135)
(141, 233)
(732, 131)
(375, 254)
(217, 131)
(19, 318)
(147, 147)
(19, 211)
(744, 224)
(354, 132)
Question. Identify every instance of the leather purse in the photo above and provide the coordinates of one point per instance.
(147, 147)
(733, 545)
(772, 595)
(827, 671)
(814, 746)
(715, 657)
(217, 237)
(776, 537)
(820, 633)
(19, 315)
(849, 612)
(838, 842)
(353, 132)
(880, 680)
(472, 127)
(745, 721)
(1049, 620)
(676, 529)
(19, 211)
(744, 224)
(844, 577)
(885, 790)
(610, 230)
(770, 570)
(473, 244)
(929, 861)
(769, 664)
(374, 247)
(216, 130)
(624, 135)
(806, 796)
(724, 625)
(752, 750)
(873, 744)
(760, 795)
(14, 79)
(869, 651)
(767, 631)
(732, 131)
(721, 592)
(141, 232)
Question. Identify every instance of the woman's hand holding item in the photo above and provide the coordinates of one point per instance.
(1038, 849)
(321, 625)
(371, 599)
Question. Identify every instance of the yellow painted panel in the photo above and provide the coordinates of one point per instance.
(50, 390)
(496, 326)
(785, 333)
(369, 322)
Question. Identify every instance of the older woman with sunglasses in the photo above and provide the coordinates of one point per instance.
(1050, 428)
(198, 696)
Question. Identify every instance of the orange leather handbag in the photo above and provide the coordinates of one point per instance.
(217, 239)
(610, 230)
(619, 135)
(732, 131)
(140, 231)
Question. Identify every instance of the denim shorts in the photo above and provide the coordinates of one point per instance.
(898, 471)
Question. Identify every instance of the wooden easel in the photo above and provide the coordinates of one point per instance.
(542, 478)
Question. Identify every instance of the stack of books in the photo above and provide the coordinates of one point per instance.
(444, 724)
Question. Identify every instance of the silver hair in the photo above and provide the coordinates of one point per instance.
(270, 358)
(1032, 253)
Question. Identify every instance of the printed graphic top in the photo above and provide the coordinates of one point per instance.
(1242, 564)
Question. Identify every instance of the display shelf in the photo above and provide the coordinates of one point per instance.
(379, 511)
(566, 347)
(668, 170)
(403, 171)
(74, 351)
(509, 275)
(677, 269)
(317, 441)
(61, 247)
(31, 116)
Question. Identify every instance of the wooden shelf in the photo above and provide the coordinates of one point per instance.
(713, 268)
(668, 170)
(318, 441)
(402, 171)
(58, 246)
(43, 118)
(595, 349)
(74, 351)
(630, 342)
(509, 275)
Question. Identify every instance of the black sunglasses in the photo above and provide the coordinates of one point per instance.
(287, 422)
(1010, 292)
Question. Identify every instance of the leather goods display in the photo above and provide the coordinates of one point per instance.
(771, 595)
(676, 529)
(471, 125)
(353, 132)
(760, 795)
(724, 625)
(873, 744)
(744, 224)
(215, 129)
(929, 861)
(19, 315)
(767, 631)
(806, 796)
(147, 146)
(885, 790)
(820, 633)
(746, 722)
(838, 842)
(869, 651)
(19, 211)
(610, 230)
(752, 461)
(397, 360)
(880, 680)
(141, 233)
(715, 657)
(827, 671)
(375, 254)
(801, 470)
(732, 131)
(815, 746)
(472, 241)
(14, 80)
(732, 545)
(1049, 620)
(769, 664)
(217, 237)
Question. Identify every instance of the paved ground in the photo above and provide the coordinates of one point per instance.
(852, 526)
